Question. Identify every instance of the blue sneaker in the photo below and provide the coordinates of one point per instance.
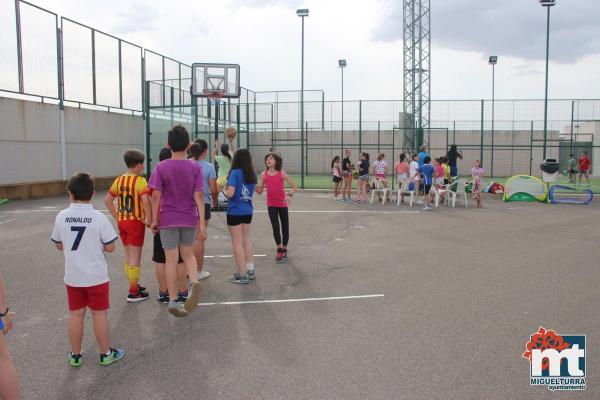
(163, 297)
(115, 355)
(182, 296)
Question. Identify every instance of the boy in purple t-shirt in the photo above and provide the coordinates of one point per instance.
(177, 211)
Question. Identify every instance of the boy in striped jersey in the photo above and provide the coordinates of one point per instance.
(133, 215)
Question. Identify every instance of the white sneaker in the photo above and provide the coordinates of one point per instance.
(203, 275)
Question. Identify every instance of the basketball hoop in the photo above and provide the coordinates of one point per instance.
(214, 96)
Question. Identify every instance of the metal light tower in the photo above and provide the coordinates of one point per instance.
(493, 61)
(547, 4)
(302, 13)
(342, 64)
(417, 70)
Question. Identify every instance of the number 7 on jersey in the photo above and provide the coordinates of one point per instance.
(80, 230)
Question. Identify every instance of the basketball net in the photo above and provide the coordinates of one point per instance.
(214, 96)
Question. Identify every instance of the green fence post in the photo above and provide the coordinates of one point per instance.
(323, 111)
(481, 150)
(148, 133)
(248, 126)
(572, 123)
(195, 119)
(393, 157)
(237, 117)
(378, 136)
(447, 139)
(19, 46)
(172, 95)
(302, 158)
(453, 132)
(272, 130)
(306, 148)
(531, 148)
(359, 126)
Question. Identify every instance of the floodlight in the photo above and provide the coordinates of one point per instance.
(302, 12)
(547, 3)
(342, 63)
(493, 60)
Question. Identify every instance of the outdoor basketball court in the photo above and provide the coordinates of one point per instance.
(376, 302)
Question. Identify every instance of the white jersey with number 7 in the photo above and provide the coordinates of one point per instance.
(83, 232)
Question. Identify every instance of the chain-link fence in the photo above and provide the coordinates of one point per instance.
(512, 142)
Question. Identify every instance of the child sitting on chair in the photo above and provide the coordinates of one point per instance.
(439, 178)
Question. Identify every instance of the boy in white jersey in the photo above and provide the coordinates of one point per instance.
(83, 235)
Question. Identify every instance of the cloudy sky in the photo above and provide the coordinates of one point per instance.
(264, 37)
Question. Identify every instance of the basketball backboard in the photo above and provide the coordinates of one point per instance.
(209, 78)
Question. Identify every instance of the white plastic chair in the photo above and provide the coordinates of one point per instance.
(403, 189)
(379, 188)
(438, 192)
(459, 191)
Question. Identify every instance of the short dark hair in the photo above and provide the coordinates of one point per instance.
(179, 139)
(585, 152)
(427, 160)
(165, 154)
(133, 157)
(278, 160)
(571, 155)
(81, 186)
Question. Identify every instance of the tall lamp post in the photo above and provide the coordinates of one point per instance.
(493, 61)
(302, 12)
(342, 64)
(547, 4)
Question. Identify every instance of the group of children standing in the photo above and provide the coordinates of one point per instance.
(418, 174)
(176, 205)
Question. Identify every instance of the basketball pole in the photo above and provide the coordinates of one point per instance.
(216, 119)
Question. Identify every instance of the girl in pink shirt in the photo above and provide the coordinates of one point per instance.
(401, 169)
(277, 201)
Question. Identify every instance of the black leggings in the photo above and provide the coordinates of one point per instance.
(275, 214)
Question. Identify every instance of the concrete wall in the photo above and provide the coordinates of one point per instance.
(512, 150)
(30, 141)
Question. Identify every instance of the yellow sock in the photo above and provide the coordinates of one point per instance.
(134, 276)
(126, 269)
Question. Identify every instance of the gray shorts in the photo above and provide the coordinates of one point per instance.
(173, 237)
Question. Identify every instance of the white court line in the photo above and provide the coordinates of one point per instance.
(4, 222)
(231, 255)
(231, 303)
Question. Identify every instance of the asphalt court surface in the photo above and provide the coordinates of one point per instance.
(376, 302)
